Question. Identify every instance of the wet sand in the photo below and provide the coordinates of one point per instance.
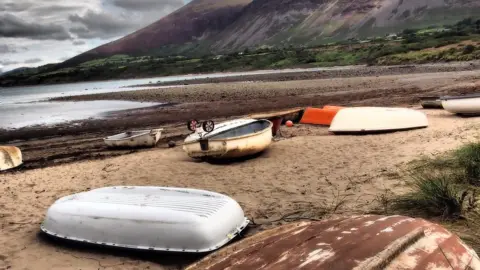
(305, 170)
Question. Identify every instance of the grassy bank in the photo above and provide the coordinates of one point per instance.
(459, 42)
(446, 189)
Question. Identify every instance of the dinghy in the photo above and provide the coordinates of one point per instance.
(431, 102)
(138, 138)
(359, 242)
(10, 157)
(466, 105)
(377, 119)
(231, 139)
(147, 218)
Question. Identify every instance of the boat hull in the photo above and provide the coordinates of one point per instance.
(359, 242)
(10, 157)
(149, 138)
(431, 102)
(366, 120)
(147, 218)
(231, 148)
(467, 106)
(241, 141)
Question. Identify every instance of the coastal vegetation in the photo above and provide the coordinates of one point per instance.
(458, 42)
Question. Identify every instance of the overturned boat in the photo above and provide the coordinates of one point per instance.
(463, 105)
(231, 139)
(147, 218)
(137, 138)
(377, 120)
(431, 102)
(10, 157)
(359, 242)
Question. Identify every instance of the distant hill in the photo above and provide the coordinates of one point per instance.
(220, 26)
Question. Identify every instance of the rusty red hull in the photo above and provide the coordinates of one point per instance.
(362, 242)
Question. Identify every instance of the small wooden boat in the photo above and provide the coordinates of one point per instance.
(147, 218)
(376, 119)
(10, 157)
(466, 105)
(231, 139)
(359, 242)
(138, 138)
(323, 116)
(431, 102)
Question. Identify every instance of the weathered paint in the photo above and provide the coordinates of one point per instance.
(141, 138)
(10, 157)
(232, 147)
(372, 242)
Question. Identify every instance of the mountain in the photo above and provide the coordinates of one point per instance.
(221, 26)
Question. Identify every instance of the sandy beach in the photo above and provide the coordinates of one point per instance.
(306, 169)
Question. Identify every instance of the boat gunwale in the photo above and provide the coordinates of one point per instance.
(233, 138)
(229, 237)
(144, 132)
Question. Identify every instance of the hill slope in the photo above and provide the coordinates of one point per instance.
(229, 25)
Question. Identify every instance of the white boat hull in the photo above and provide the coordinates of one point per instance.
(10, 157)
(141, 138)
(235, 147)
(377, 119)
(148, 218)
(462, 106)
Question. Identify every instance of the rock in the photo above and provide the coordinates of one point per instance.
(171, 144)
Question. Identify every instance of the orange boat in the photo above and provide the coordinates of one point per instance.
(318, 116)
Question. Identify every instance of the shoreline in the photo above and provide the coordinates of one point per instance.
(45, 146)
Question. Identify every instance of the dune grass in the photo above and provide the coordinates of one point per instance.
(445, 186)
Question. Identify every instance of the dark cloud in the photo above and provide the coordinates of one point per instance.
(8, 62)
(33, 61)
(147, 5)
(12, 26)
(100, 24)
(78, 42)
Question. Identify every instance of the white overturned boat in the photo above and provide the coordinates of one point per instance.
(10, 157)
(377, 119)
(148, 218)
(138, 138)
(467, 104)
(231, 139)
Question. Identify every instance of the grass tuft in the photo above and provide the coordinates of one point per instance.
(433, 195)
(468, 159)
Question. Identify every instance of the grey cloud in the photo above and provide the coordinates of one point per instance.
(33, 61)
(8, 63)
(12, 26)
(78, 42)
(52, 9)
(101, 25)
(147, 5)
(17, 6)
(5, 48)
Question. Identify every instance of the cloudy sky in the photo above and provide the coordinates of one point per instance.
(37, 32)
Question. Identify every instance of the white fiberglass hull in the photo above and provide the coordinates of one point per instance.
(231, 147)
(140, 138)
(377, 119)
(150, 218)
(10, 157)
(462, 106)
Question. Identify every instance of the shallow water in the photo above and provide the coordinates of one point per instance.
(48, 113)
(25, 106)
